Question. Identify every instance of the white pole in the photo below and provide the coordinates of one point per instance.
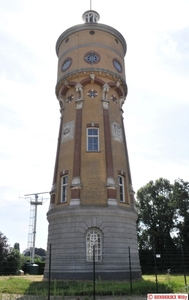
(34, 229)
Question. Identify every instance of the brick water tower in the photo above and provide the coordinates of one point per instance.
(92, 199)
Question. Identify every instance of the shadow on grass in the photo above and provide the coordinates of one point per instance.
(84, 289)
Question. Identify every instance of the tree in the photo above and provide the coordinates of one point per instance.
(10, 260)
(163, 220)
(13, 262)
(17, 246)
(3, 251)
(181, 192)
(38, 251)
(156, 213)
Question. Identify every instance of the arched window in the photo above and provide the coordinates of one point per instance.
(94, 242)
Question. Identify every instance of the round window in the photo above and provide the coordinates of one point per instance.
(92, 57)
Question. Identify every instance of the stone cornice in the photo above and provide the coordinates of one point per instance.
(86, 71)
(91, 26)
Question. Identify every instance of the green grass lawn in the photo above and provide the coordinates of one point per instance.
(34, 285)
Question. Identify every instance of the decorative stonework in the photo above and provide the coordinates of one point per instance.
(53, 188)
(76, 183)
(110, 182)
(117, 132)
(121, 101)
(111, 201)
(92, 93)
(105, 91)
(105, 105)
(114, 99)
(92, 77)
(61, 103)
(79, 105)
(79, 90)
(67, 132)
(118, 83)
(75, 202)
(70, 98)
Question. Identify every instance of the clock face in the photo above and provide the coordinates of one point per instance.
(66, 64)
(117, 65)
(92, 58)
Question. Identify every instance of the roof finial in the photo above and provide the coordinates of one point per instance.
(90, 4)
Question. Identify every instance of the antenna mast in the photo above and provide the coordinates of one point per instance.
(33, 223)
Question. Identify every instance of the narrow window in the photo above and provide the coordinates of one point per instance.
(94, 242)
(92, 139)
(64, 188)
(121, 189)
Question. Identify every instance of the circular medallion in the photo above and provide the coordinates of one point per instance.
(117, 65)
(92, 57)
(66, 64)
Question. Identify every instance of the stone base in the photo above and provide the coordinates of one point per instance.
(67, 236)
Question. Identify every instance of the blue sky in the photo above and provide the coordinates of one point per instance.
(155, 112)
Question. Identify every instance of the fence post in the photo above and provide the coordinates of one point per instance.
(183, 264)
(94, 292)
(130, 271)
(155, 266)
(49, 281)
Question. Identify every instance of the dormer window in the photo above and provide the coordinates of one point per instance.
(91, 16)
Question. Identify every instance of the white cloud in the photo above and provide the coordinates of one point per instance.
(169, 47)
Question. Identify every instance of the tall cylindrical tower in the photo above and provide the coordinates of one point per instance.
(92, 200)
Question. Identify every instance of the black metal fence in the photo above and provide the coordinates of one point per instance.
(169, 259)
(153, 263)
